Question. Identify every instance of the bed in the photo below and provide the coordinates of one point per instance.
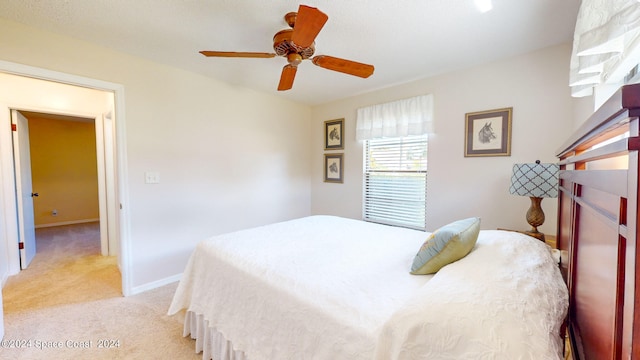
(598, 230)
(326, 287)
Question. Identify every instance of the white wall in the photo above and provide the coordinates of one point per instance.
(535, 85)
(228, 158)
(582, 110)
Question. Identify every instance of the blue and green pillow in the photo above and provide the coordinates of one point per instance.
(449, 243)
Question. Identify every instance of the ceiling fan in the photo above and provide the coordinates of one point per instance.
(297, 44)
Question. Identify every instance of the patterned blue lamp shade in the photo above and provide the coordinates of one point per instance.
(536, 181)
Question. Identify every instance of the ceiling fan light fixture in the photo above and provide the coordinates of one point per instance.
(483, 5)
(294, 59)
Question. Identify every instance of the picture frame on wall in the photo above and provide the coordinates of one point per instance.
(334, 168)
(488, 133)
(334, 134)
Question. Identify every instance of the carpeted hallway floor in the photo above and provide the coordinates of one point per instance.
(68, 305)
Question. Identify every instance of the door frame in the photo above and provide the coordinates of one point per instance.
(7, 190)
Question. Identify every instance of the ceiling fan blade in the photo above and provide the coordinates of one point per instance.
(287, 76)
(309, 22)
(237, 54)
(343, 66)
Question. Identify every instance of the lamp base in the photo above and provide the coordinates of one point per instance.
(535, 215)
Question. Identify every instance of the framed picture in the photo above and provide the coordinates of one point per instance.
(334, 134)
(488, 133)
(333, 168)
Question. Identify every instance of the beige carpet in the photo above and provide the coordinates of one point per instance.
(68, 305)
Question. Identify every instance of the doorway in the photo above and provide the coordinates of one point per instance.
(70, 187)
(64, 172)
(46, 100)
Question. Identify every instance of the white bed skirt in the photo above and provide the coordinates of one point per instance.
(209, 341)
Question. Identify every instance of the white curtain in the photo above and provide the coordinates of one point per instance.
(413, 116)
(606, 43)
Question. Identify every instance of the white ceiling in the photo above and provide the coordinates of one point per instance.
(404, 39)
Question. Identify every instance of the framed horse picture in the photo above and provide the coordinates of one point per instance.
(488, 133)
(333, 168)
(334, 134)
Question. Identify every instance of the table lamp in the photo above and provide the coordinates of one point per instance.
(536, 181)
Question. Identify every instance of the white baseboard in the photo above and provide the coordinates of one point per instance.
(62, 223)
(155, 284)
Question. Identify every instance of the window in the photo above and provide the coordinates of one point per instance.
(395, 160)
(606, 45)
(395, 181)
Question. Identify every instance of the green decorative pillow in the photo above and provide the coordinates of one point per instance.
(450, 243)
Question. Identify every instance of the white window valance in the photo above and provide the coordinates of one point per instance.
(606, 43)
(412, 116)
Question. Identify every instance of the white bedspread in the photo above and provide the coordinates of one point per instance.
(324, 287)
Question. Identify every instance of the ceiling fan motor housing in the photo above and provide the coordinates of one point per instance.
(283, 46)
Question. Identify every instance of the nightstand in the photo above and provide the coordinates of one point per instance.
(550, 240)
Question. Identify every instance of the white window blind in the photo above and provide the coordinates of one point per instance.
(395, 181)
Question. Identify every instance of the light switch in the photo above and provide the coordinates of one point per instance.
(151, 177)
